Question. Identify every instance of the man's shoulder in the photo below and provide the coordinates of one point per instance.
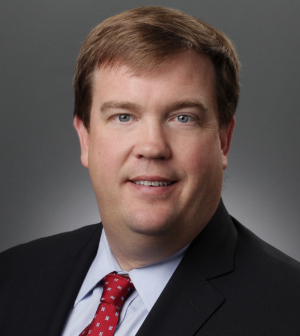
(264, 263)
(261, 292)
(249, 242)
(49, 250)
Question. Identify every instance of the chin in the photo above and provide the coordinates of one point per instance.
(152, 225)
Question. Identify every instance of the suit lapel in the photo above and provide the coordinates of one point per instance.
(182, 309)
(189, 299)
(57, 288)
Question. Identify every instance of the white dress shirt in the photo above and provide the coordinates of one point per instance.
(148, 281)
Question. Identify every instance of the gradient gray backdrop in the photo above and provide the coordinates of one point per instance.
(44, 188)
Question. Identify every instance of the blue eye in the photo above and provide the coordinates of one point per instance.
(124, 117)
(183, 118)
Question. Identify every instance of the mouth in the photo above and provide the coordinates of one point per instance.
(152, 183)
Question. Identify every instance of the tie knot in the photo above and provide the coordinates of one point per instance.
(115, 289)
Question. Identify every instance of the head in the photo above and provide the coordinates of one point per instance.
(155, 95)
(145, 39)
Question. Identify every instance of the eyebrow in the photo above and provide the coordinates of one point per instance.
(177, 105)
(180, 104)
(119, 105)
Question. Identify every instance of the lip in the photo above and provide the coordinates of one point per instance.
(151, 178)
(147, 191)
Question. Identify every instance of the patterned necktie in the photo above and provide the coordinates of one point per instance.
(115, 289)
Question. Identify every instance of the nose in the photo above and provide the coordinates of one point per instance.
(151, 142)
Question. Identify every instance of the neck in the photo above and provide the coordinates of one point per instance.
(139, 250)
(137, 246)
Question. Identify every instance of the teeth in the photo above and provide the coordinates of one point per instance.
(152, 183)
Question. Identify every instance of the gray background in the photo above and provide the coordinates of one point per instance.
(44, 189)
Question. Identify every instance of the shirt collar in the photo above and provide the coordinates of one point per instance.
(103, 264)
(151, 280)
(148, 281)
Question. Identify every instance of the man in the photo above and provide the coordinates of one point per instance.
(155, 96)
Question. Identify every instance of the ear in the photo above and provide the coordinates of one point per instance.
(84, 139)
(225, 140)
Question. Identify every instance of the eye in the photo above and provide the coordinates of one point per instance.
(183, 118)
(123, 117)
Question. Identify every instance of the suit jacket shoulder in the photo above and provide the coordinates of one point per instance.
(45, 250)
(262, 294)
(264, 257)
(39, 281)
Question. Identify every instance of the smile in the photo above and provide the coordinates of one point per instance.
(152, 183)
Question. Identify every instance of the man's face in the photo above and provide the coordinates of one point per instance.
(154, 150)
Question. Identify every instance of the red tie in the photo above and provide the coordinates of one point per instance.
(115, 289)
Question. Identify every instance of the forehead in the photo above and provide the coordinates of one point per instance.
(186, 76)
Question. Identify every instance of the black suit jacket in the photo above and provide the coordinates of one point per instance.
(228, 283)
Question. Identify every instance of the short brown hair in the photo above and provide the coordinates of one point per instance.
(147, 37)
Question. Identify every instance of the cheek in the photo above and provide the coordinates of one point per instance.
(196, 153)
(202, 161)
(106, 156)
